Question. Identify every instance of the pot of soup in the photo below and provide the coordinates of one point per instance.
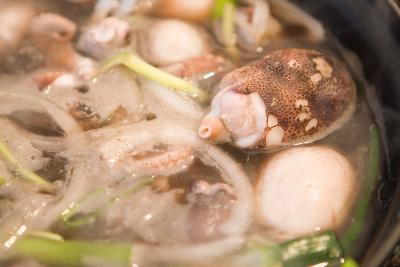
(246, 133)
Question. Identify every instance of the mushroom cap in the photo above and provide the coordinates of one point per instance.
(169, 41)
(184, 9)
(305, 189)
(308, 93)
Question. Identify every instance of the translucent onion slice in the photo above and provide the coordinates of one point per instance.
(293, 14)
(187, 253)
(10, 102)
(174, 100)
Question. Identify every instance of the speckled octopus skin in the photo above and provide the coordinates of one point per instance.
(308, 93)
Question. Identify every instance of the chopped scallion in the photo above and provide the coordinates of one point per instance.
(46, 235)
(3, 181)
(73, 253)
(219, 5)
(352, 233)
(144, 69)
(71, 218)
(21, 170)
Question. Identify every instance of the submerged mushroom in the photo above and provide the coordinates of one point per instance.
(305, 189)
(291, 96)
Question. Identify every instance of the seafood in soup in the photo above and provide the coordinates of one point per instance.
(178, 133)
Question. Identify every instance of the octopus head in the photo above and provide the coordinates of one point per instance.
(54, 27)
(235, 115)
(289, 97)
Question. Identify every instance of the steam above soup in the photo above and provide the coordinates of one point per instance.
(175, 133)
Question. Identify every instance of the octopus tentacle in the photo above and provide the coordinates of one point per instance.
(205, 188)
(165, 163)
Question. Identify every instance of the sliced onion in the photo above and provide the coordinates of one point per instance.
(83, 176)
(146, 136)
(10, 102)
(242, 210)
(293, 14)
(252, 32)
(188, 253)
(174, 100)
(45, 143)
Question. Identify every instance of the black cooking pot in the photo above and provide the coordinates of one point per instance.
(371, 29)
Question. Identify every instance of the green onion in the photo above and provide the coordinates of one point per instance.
(353, 232)
(266, 254)
(22, 171)
(68, 215)
(228, 25)
(311, 250)
(70, 218)
(305, 251)
(46, 235)
(150, 72)
(348, 262)
(73, 253)
(224, 17)
(3, 181)
(134, 189)
(218, 9)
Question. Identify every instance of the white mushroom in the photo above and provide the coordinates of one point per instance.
(170, 41)
(305, 189)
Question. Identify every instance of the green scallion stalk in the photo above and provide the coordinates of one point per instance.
(228, 25)
(3, 181)
(353, 232)
(268, 255)
(308, 250)
(21, 170)
(73, 253)
(68, 216)
(150, 72)
(134, 189)
(218, 8)
(348, 262)
(311, 250)
(224, 12)
(46, 235)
